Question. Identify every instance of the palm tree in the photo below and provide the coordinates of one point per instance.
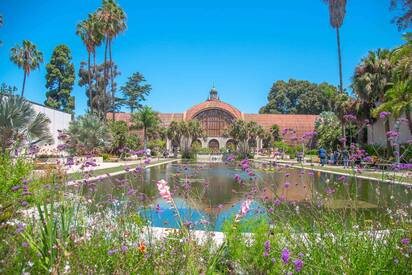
(242, 132)
(337, 12)
(145, 119)
(88, 133)
(113, 22)
(372, 79)
(402, 58)
(27, 57)
(398, 101)
(19, 123)
(87, 30)
(173, 133)
(189, 131)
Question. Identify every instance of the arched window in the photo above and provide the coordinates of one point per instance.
(214, 121)
(214, 145)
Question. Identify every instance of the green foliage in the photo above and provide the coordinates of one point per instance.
(19, 123)
(328, 128)
(60, 79)
(135, 91)
(403, 19)
(145, 119)
(7, 90)
(12, 173)
(120, 132)
(101, 102)
(300, 97)
(88, 134)
(372, 79)
(156, 146)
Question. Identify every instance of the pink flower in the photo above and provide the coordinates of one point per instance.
(164, 190)
(244, 209)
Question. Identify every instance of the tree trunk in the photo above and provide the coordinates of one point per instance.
(112, 81)
(90, 82)
(340, 61)
(105, 77)
(24, 83)
(409, 118)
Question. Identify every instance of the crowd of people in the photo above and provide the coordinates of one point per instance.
(336, 157)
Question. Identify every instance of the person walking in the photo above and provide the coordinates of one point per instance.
(322, 156)
(336, 157)
(345, 157)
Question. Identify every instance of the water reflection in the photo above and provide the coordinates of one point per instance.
(206, 195)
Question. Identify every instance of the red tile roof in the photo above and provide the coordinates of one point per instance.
(300, 123)
(212, 104)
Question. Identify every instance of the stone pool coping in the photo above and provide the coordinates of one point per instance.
(76, 182)
(293, 165)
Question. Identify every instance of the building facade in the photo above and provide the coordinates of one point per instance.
(215, 116)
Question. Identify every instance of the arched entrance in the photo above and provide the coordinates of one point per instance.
(231, 145)
(214, 145)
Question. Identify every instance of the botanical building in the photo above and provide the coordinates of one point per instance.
(215, 116)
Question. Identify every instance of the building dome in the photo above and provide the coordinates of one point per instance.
(213, 94)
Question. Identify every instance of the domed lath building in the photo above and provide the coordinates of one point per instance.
(215, 116)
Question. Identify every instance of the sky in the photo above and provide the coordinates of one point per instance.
(184, 47)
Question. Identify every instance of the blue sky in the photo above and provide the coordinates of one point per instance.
(183, 47)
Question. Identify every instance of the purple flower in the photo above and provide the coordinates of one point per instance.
(298, 264)
(286, 185)
(24, 244)
(112, 251)
(24, 203)
(124, 248)
(285, 256)
(405, 241)
(230, 158)
(147, 161)
(277, 202)
(237, 178)
(349, 117)
(15, 188)
(384, 114)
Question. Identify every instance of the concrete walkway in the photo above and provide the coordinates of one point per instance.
(348, 171)
(158, 162)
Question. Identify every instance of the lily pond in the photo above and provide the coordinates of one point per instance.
(208, 194)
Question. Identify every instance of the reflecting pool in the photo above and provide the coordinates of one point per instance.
(208, 194)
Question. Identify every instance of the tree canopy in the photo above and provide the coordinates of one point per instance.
(299, 97)
(135, 91)
(60, 79)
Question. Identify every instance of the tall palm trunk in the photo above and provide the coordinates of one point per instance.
(340, 81)
(24, 83)
(112, 81)
(105, 76)
(340, 61)
(90, 82)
